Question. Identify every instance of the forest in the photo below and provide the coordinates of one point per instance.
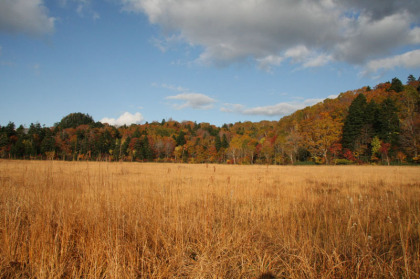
(379, 125)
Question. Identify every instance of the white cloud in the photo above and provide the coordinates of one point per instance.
(365, 38)
(24, 16)
(232, 108)
(192, 100)
(298, 53)
(188, 99)
(279, 109)
(268, 62)
(311, 33)
(317, 61)
(125, 119)
(174, 88)
(275, 110)
(409, 59)
(415, 35)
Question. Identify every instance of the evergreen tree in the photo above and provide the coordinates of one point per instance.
(138, 154)
(371, 119)
(124, 147)
(180, 140)
(225, 143)
(354, 122)
(147, 153)
(388, 126)
(117, 149)
(48, 142)
(396, 85)
(74, 120)
(371, 113)
(218, 143)
(136, 133)
(410, 79)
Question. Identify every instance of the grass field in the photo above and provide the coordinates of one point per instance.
(134, 220)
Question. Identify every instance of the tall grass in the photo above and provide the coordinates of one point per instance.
(129, 220)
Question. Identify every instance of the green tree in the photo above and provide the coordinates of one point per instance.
(180, 140)
(410, 79)
(225, 143)
(388, 126)
(147, 152)
(218, 143)
(396, 85)
(354, 122)
(74, 120)
(10, 129)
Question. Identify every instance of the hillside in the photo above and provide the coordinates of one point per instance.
(367, 125)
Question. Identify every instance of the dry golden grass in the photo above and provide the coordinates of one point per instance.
(131, 220)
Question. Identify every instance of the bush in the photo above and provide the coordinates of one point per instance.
(305, 163)
(343, 162)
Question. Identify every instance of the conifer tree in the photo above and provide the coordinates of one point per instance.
(396, 85)
(354, 122)
(225, 143)
(75, 119)
(388, 127)
(218, 143)
(180, 140)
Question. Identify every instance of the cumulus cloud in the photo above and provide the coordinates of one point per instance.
(367, 38)
(269, 61)
(296, 55)
(192, 100)
(383, 8)
(23, 16)
(188, 99)
(409, 59)
(125, 119)
(311, 33)
(279, 109)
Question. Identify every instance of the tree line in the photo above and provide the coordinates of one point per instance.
(379, 125)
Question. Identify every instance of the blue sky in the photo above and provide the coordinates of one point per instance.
(216, 61)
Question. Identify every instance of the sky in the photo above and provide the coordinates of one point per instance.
(215, 61)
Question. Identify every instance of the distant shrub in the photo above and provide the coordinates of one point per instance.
(343, 162)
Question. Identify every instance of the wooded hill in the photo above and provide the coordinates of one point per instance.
(367, 125)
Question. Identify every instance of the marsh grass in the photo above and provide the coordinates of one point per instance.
(130, 220)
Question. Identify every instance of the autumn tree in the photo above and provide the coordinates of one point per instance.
(320, 133)
(235, 148)
(293, 142)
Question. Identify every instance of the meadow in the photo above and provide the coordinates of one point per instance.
(147, 220)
